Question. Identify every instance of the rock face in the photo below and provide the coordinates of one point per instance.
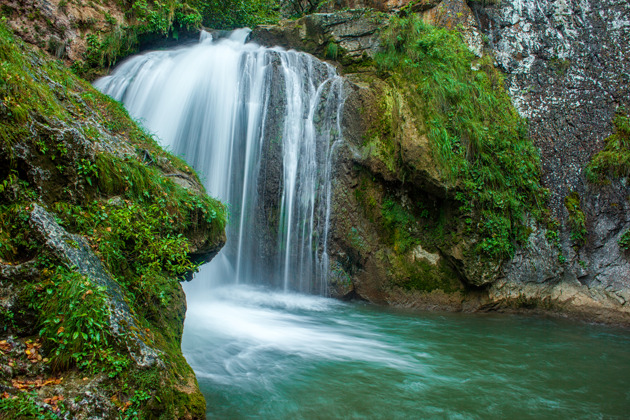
(567, 66)
(351, 34)
(60, 27)
(566, 71)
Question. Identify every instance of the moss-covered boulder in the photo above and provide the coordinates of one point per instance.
(98, 225)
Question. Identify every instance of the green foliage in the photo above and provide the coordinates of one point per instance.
(614, 161)
(147, 19)
(74, 319)
(106, 49)
(133, 413)
(24, 406)
(162, 17)
(230, 14)
(624, 240)
(577, 220)
(477, 137)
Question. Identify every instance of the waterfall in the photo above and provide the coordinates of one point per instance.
(261, 126)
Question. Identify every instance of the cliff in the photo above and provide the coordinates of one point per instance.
(98, 225)
(447, 197)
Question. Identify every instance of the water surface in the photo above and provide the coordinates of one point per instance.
(263, 354)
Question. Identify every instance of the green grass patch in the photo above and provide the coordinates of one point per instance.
(25, 406)
(74, 319)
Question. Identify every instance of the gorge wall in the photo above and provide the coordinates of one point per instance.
(565, 67)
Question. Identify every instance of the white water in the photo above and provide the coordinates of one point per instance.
(261, 126)
(264, 354)
(233, 109)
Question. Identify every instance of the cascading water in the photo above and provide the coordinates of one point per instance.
(261, 126)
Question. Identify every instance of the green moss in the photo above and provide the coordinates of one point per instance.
(477, 138)
(419, 274)
(399, 223)
(380, 139)
(614, 161)
(577, 220)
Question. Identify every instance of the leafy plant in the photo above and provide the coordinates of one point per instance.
(332, 50)
(24, 406)
(229, 14)
(87, 170)
(74, 319)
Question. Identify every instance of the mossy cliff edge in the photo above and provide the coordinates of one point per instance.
(98, 225)
(442, 200)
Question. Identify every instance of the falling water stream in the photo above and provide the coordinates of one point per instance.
(261, 125)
